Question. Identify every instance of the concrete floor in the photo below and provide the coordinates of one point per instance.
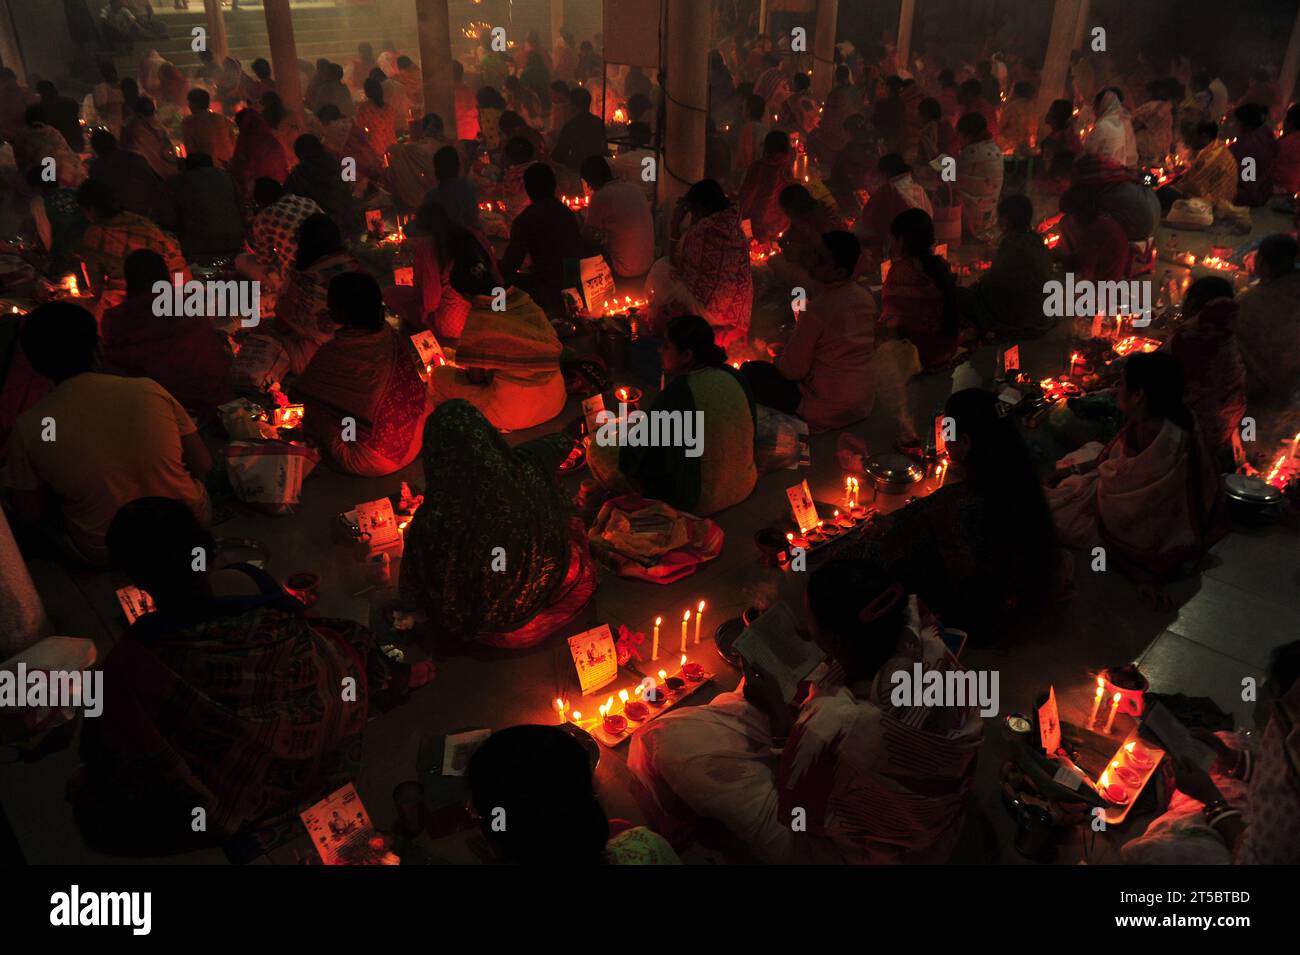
(1225, 621)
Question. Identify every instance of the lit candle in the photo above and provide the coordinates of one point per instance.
(699, 615)
(848, 492)
(561, 706)
(623, 697)
(1295, 442)
(1114, 708)
(1096, 703)
(654, 646)
(685, 617)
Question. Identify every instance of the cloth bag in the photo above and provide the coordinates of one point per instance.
(650, 540)
(260, 362)
(269, 474)
(1191, 214)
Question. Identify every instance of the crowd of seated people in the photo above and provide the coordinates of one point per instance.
(850, 201)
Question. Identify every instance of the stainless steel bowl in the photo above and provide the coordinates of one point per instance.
(893, 473)
(1250, 498)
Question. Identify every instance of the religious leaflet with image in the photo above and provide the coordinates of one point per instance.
(404, 275)
(595, 658)
(940, 439)
(375, 221)
(591, 407)
(135, 602)
(597, 282)
(337, 821)
(1010, 359)
(429, 353)
(801, 503)
(377, 519)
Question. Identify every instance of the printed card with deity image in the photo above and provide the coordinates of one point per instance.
(595, 658)
(336, 822)
(801, 503)
(135, 602)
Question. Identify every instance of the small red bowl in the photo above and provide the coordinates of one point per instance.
(615, 725)
(637, 712)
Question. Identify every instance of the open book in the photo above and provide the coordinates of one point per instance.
(772, 644)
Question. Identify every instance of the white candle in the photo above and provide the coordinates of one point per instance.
(654, 645)
(1096, 703)
(699, 615)
(685, 617)
(561, 706)
(1114, 708)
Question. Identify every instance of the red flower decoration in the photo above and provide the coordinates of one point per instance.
(627, 643)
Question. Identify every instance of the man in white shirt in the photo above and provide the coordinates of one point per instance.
(619, 216)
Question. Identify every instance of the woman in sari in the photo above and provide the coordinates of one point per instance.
(1153, 123)
(979, 176)
(919, 299)
(1205, 344)
(710, 274)
(258, 153)
(719, 471)
(760, 193)
(541, 778)
(1244, 810)
(1150, 497)
(303, 319)
(879, 783)
(507, 361)
(145, 135)
(1255, 142)
(981, 550)
(1286, 168)
(897, 194)
(482, 497)
(376, 118)
(366, 372)
(431, 302)
(1112, 133)
(226, 697)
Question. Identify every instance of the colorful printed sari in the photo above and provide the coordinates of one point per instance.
(237, 711)
(479, 495)
(371, 377)
(302, 312)
(712, 269)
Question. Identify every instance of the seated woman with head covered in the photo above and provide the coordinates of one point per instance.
(480, 494)
(302, 314)
(226, 697)
(367, 373)
(878, 782)
(1151, 496)
(508, 361)
(701, 469)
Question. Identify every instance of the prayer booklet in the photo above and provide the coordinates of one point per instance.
(1049, 723)
(336, 822)
(773, 644)
(377, 519)
(1178, 742)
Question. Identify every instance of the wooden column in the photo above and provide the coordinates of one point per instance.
(284, 53)
(1290, 65)
(217, 42)
(824, 48)
(1081, 29)
(687, 86)
(10, 52)
(1056, 64)
(557, 20)
(435, 61)
(903, 54)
